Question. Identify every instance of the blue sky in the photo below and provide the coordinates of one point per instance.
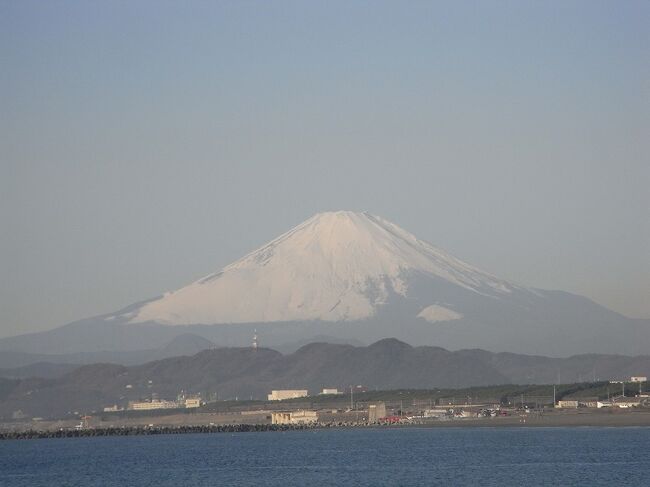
(145, 144)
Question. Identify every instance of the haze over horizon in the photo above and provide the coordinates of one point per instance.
(147, 145)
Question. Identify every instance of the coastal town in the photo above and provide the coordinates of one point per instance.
(627, 404)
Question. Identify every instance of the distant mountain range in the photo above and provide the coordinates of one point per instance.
(246, 373)
(356, 278)
(23, 364)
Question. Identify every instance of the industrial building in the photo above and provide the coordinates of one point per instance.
(153, 404)
(182, 401)
(282, 394)
(294, 417)
(192, 402)
(567, 404)
(627, 402)
(437, 413)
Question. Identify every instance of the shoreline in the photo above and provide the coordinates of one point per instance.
(636, 419)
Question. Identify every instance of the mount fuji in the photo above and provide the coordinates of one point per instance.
(356, 277)
(336, 267)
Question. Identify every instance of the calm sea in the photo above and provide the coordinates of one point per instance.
(413, 456)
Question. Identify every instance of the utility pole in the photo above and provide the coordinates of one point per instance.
(351, 398)
(553, 396)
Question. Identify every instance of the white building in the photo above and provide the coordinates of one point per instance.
(112, 409)
(283, 394)
(436, 413)
(331, 391)
(639, 378)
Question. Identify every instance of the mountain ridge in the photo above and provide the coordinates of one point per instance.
(247, 372)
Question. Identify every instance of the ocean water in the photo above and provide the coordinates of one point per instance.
(353, 457)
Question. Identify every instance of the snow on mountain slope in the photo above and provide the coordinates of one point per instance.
(335, 266)
(435, 313)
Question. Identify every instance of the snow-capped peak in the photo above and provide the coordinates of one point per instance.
(335, 266)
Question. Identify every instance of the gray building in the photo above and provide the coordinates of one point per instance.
(376, 411)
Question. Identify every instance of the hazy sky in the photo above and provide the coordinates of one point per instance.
(146, 144)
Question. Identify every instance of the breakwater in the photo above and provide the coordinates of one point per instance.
(166, 430)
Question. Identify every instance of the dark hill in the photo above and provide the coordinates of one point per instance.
(246, 373)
